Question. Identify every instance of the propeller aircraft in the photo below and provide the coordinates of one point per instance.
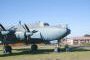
(31, 34)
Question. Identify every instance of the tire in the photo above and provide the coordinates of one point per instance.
(34, 47)
(7, 50)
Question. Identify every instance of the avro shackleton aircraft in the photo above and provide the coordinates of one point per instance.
(31, 34)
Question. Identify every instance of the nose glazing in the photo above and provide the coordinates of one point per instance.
(68, 31)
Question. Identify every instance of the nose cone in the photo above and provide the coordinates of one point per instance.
(68, 31)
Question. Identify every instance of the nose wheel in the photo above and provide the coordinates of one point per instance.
(57, 48)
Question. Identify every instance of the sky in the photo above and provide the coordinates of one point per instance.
(75, 13)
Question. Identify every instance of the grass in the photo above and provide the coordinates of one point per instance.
(45, 53)
(85, 44)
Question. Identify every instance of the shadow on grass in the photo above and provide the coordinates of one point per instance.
(41, 51)
(79, 49)
(27, 51)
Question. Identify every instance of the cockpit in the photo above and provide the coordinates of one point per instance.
(43, 24)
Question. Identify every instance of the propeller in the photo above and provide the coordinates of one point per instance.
(27, 28)
(2, 27)
(7, 31)
(4, 32)
(27, 33)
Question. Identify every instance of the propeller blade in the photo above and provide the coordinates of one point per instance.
(28, 40)
(2, 27)
(11, 27)
(24, 28)
(27, 28)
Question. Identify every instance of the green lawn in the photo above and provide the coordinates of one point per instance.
(45, 53)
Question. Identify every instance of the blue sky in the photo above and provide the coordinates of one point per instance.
(75, 13)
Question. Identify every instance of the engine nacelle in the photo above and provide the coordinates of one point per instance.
(20, 35)
(29, 34)
(4, 32)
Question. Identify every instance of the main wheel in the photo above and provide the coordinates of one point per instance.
(7, 49)
(34, 48)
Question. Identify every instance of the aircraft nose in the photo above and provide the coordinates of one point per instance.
(68, 31)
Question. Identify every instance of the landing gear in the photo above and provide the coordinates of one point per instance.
(7, 49)
(34, 48)
(57, 49)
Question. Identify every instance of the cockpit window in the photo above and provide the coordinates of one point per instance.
(46, 24)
